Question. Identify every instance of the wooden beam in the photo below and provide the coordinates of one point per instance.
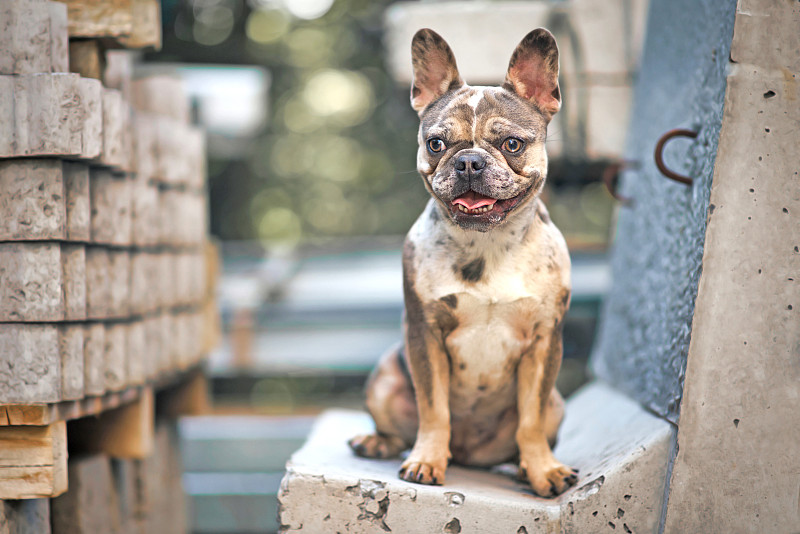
(33, 461)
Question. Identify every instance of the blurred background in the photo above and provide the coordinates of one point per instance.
(312, 185)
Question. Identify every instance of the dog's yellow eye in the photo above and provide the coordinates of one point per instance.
(512, 145)
(435, 144)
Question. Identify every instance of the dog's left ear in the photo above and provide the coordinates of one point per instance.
(533, 71)
(435, 70)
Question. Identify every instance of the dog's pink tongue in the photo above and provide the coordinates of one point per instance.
(472, 200)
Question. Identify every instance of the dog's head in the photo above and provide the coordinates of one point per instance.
(481, 150)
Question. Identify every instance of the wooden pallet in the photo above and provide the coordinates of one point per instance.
(34, 439)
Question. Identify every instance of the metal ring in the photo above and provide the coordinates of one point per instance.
(659, 156)
(611, 172)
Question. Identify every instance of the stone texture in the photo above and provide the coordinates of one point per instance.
(32, 37)
(143, 290)
(30, 363)
(739, 425)
(145, 144)
(34, 121)
(152, 326)
(119, 71)
(32, 200)
(42, 282)
(161, 95)
(94, 350)
(70, 342)
(137, 359)
(167, 272)
(183, 218)
(115, 358)
(621, 450)
(643, 337)
(98, 282)
(111, 207)
(190, 278)
(120, 280)
(145, 230)
(117, 138)
(76, 180)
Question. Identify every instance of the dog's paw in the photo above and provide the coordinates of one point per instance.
(548, 481)
(423, 472)
(376, 445)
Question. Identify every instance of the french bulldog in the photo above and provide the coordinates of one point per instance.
(486, 278)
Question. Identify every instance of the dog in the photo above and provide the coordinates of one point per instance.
(486, 278)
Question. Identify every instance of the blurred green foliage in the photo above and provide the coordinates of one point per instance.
(337, 156)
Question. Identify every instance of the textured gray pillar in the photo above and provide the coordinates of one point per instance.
(644, 336)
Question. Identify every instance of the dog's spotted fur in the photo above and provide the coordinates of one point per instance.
(485, 294)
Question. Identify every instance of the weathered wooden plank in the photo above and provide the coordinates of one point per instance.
(124, 432)
(189, 397)
(100, 18)
(32, 37)
(33, 461)
(34, 120)
(146, 30)
(87, 57)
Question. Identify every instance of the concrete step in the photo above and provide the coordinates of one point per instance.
(621, 450)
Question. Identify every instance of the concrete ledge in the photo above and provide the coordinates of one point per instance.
(621, 451)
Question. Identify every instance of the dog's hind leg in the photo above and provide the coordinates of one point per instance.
(391, 402)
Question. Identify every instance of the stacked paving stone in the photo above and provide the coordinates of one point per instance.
(106, 273)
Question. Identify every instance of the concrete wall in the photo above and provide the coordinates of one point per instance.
(644, 336)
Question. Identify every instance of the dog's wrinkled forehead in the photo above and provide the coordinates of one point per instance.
(467, 112)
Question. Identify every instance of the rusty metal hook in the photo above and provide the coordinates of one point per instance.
(611, 176)
(659, 156)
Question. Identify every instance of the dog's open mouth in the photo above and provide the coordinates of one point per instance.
(476, 205)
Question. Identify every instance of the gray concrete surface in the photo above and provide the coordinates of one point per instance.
(739, 426)
(620, 449)
(644, 334)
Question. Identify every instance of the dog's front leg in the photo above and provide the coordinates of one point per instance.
(430, 371)
(536, 376)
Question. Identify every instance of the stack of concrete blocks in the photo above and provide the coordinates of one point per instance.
(104, 291)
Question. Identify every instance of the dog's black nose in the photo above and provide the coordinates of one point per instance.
(469, 164)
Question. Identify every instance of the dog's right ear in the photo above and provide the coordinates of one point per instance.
(435, 70)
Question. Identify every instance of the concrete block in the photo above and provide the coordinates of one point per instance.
(73, 262)
(621, 450)
(137, 359)
(94, 347)
(166, 280)
(43, 199)
(119, 71)
(111, 207)
(190, 278)
(41, 282)
(116, 349)
(91, 503)
(30, 363)
(120, 283)
(195, 149)
(76, 180)
(98, 282)
(34, 121)
(174, 166)
(117, 138)
(145, 214)
(152, 327)
(161, 95)
(33, 37)
(71, 347)
(32, 200)
(183, 218)
(144, 271)
(145, 144)
(169, 343)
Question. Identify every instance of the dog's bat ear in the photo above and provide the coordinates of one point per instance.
(435, 70)
(533, 71)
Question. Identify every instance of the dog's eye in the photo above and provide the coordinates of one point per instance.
(435, 144)
(512, 145)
